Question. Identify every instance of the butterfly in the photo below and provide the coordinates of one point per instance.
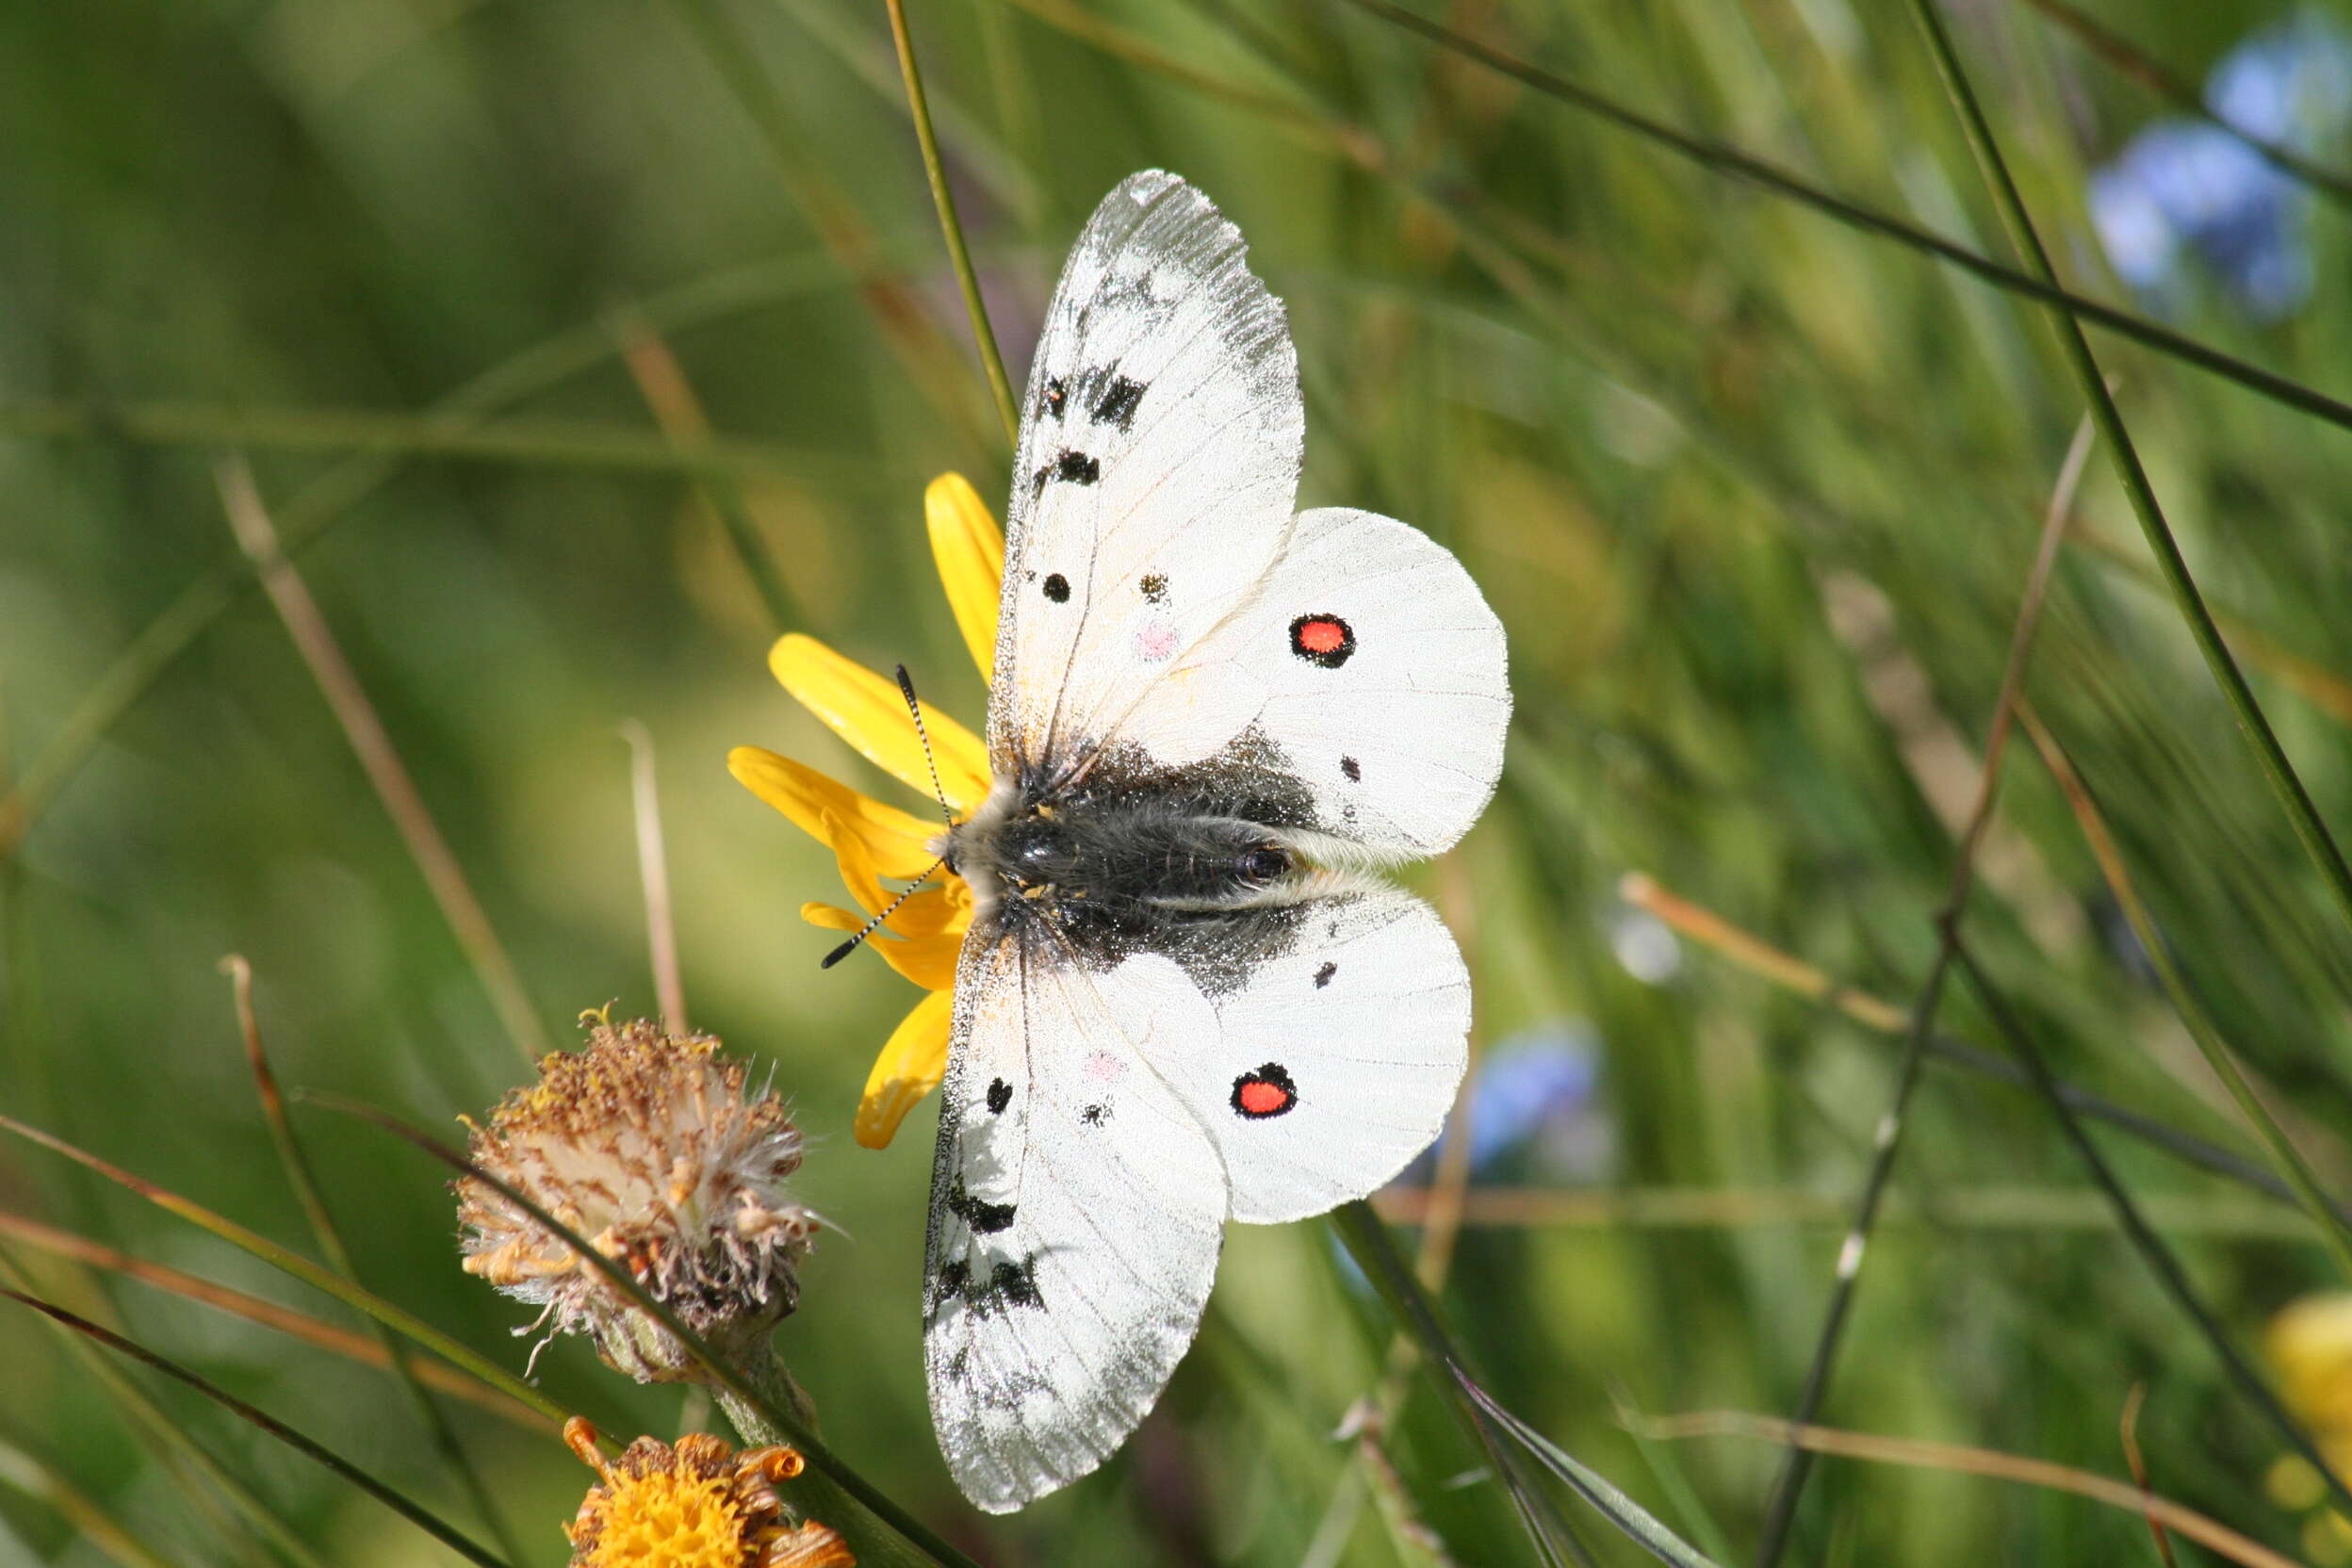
(1184, 997)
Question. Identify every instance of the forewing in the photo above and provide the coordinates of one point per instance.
(1157, 467)
(1076, 1213)
(1334, 1064)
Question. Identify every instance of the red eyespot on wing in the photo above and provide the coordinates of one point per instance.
(1266, 1092)
(1324, 640)
(1259, 1099)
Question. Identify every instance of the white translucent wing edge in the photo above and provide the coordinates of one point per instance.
(1367, 1019)
(1193, 493)
(1116, 1227)
(1401, 745)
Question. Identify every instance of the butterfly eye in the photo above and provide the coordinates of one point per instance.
(1265, 863)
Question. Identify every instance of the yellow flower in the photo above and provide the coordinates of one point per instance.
(871, 840)
(2310, 1343)
(698, 1503)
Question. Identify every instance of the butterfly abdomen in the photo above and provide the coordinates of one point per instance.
(1147, 854)
(1103, 873)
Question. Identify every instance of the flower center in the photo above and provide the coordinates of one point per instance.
(665, 1520)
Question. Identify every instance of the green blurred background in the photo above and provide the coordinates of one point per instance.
(1755, 495)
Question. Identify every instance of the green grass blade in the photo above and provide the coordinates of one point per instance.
(2284, 782)
(192, 1466)
(958, 256)
(2286, 785)
(2150, 1246)
(295, 1163)
(1369, 1242)
(1724, 159)
(1590, 1484)
(423, 1518)
(291, 1262)
(43, 1483)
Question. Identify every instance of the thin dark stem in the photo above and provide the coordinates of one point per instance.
(198, 1472)
(423, 1519)
(1743, 948)
(2151, 1247)
(295, 1163)
(958, 255)
(1797, 1462)
(922, 346)
(1366, 1238)
(2185, 1147)
(1722, 158)
(2302, 814)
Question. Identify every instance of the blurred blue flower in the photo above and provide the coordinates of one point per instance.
(2289, 83)
(2186, 186)
(1525, 1084)
(1532, 1095)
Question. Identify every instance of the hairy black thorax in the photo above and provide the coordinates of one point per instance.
(1204, 863)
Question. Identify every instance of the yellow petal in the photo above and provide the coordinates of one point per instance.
(932, 935)
(867, 710)
(897, 842)
(929, 913)
(928, 961)
(910, 1067)
(859, 874)
(969, 549)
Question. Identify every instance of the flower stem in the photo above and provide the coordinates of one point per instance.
(777, 1390)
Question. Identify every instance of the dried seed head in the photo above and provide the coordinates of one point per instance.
(644, 1145)
(698, 1503)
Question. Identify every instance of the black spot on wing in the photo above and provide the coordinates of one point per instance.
(1015, 1284)
(1076, 468)
(1055, 395)
(985, 1218)
(1057, 588)
(1154, 586)
(1355, 770)
(1116, 405)
(1000, 1096)
(950, 1283)
(1323, 975)
(1008, 1285)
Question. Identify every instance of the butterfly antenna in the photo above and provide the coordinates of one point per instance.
(907, 688)
(868, 929)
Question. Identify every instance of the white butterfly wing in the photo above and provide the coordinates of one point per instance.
(1157, 467)
(1076, 1213)
(1383, 680)
(1332, 1066)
